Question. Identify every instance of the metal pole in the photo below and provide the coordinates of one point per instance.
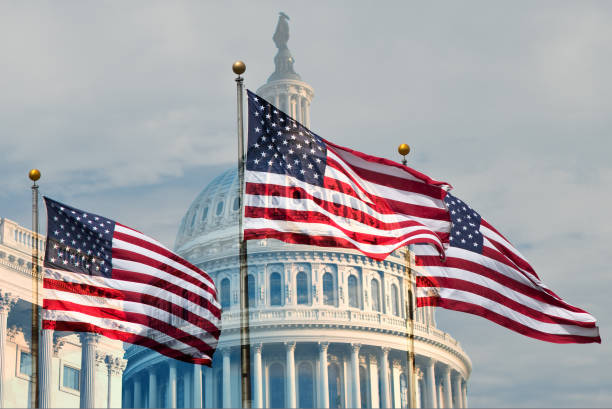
(35, 384)
(245, 341)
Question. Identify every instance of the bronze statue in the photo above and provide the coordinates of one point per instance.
(283, 60)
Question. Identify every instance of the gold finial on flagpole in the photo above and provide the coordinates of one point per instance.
(404, 149)
(239, 67)
(34, 175)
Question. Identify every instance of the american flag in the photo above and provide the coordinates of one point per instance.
(107, 278)
(303, 189)
(483, 274)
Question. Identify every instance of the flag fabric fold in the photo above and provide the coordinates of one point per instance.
(103, 277)
(301, 188)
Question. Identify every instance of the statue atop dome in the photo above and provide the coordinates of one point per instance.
(283, 61)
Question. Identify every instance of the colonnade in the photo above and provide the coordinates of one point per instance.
(383, 370)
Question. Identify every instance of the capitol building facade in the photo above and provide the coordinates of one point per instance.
(328, 327)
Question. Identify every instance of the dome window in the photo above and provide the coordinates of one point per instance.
(219, 208)
(225, 293)
(251, 289)
(275, 289)
(204, 214)
(328, 290)
(375, 290)
(302, 288)
(236, 205)
(353, 288)
(395, 300)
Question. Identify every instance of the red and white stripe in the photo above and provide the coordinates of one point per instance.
(153, 298)
(367, 203)
(502, 287)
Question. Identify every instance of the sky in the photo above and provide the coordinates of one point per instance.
(128, 109)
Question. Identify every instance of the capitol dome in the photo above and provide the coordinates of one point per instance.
(328, 327)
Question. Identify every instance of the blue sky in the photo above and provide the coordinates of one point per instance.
(128, 110)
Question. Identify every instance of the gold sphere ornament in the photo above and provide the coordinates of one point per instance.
(34, 175)
(403, 149)
(239, 67)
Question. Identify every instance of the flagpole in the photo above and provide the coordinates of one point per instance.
(245, 343)
(404, 150)
(34, 175)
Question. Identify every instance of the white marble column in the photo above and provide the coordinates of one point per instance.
(464, 394)
(227, 390)
(257, 377)
(374, 395)
(152, 387)
(290, 378)
(440, 392)
(418, 374)
(197, 401)
(45, 369)
(356, 400)
(396, 371)
(137, 399)
(430, 379)
(384, 371)
(457, 390)
(208, 387)
(446, 382)
(115, 366)
(172, 380)
(89, 342)
(7, 301)
(324, 398)
(186, 378)
(287, 103)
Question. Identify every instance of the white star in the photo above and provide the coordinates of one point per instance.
(257, 129)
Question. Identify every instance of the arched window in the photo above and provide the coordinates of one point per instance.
(225, 293)
(252, 290)
(236, 204)
(302, 288)
(353, 289)
(328, 290)
(395, 300)
(335, 387)
(375, 291)
(219, 208)
(277, 386)
(275, 289)
(306, 386)
(204, 214)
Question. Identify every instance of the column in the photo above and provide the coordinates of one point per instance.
(355, 369)
(397, 389)
(152, 387)
(290, 378)
(257, 377)
(45, 369)
(324, 398)
(208, 385)
(227, 391)
(136, 400)
(298, 108)
(464, 393)
(457, 391)
(196, 397)
(115, 366)
(171, 384)
(440, 393)
(287, 103)
(374, 396)
(384, 372)
(7, 301)
(186, 389)
(418, 374)
(430, 379)
(89, 342)
(446, 382)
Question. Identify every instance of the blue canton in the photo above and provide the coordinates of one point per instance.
(279, 144)
(78, 241)
(465, 225)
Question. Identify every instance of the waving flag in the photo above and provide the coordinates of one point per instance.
(303, 189)
(104, 277)
(483, 274)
